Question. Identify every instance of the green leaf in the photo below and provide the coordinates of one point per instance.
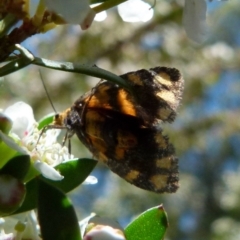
(5, 123)
(150, 225)
(17, 167)
(56, 214)
(46, 121)
(6, 153)
(8, 149)
(74, 172)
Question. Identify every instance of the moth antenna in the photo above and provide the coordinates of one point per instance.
(45, 88)
(56, 116)
(48, 96)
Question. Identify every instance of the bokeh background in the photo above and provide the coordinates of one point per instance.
(206, 133)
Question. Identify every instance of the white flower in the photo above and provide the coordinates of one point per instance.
(24, 226)
(87, 21)
(29, 229)
(100, 16)
(135, 11)
(22, 117)
(73, 11)
(194, 19)
(194, 16)
(42, 147)
(3, 235)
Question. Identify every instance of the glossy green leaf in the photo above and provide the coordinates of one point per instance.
(74, 172)
(5, 123)
(56, 214)
(46, 121)
(17, 167)
(150, 225)
(8, 149)
(6, 153)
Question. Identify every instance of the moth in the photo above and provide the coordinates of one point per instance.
(124, 131)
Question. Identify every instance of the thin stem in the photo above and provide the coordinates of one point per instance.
(26, 58)
(93, 71)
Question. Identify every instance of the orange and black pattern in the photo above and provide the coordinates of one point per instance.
(123, 131)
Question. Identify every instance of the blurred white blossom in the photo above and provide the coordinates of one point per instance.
(73, 11)
(194, 16)
(135, 11)
(194, 19)
(219, 50)
(3, 235)
(101, 16)
(229, 196)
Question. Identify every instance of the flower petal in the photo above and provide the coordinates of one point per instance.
(73, 11)
(135, 11)
(194, 19)
(22, 116)
(87, 21)
(6, 236)
(47, 171)
(10, 143)
(51, 136)
(31, 229)
(100, 16)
